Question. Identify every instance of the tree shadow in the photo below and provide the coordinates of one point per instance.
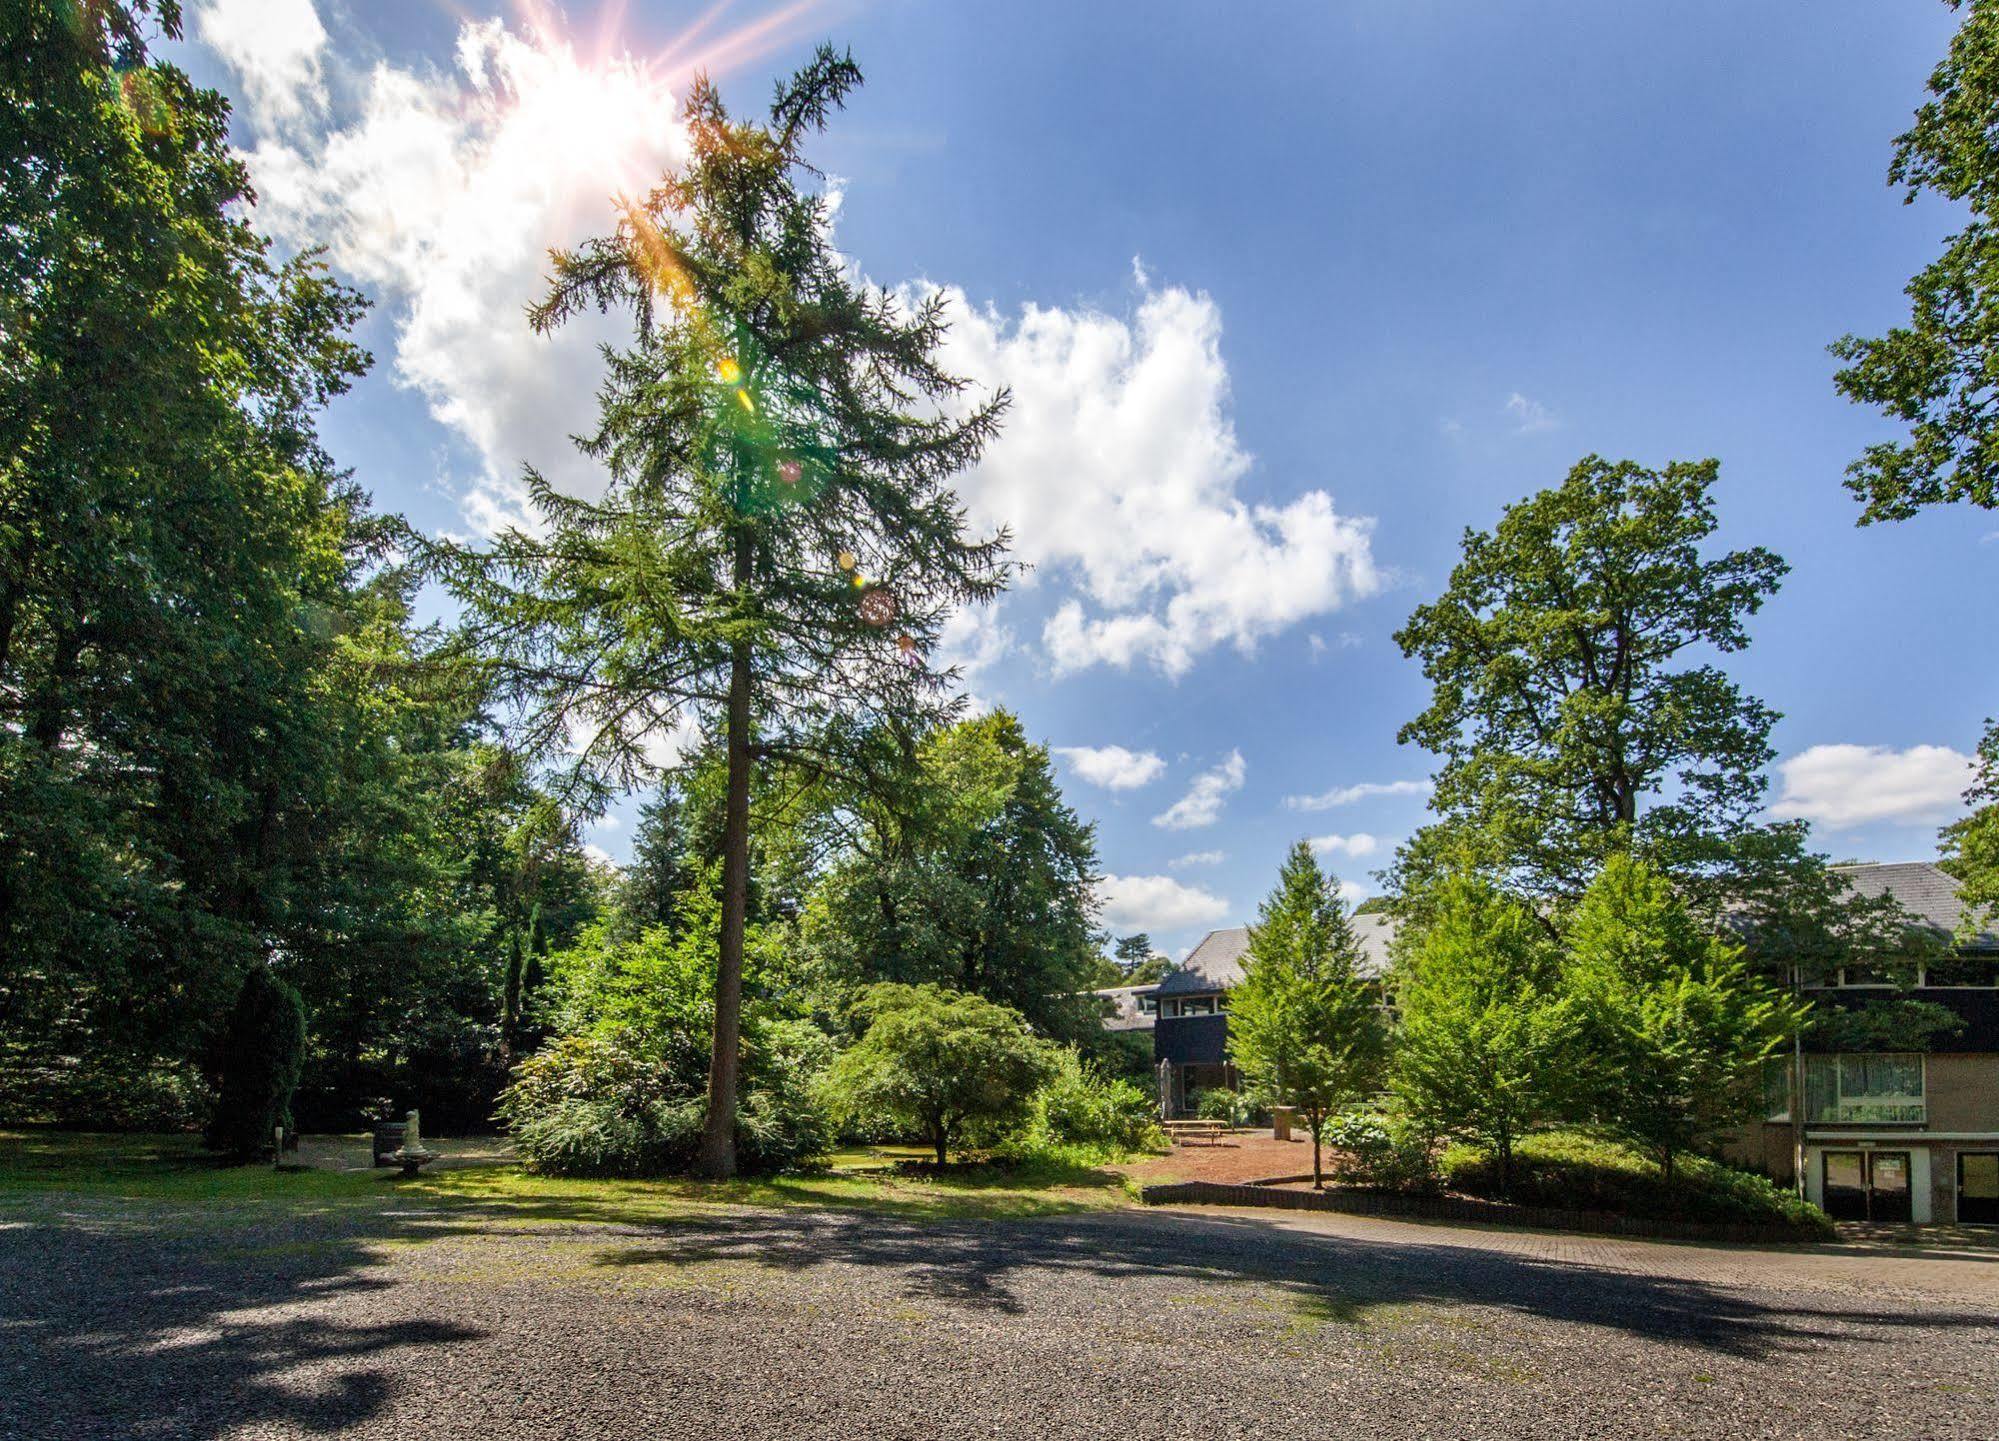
(124, 1322)
(1322, 1277)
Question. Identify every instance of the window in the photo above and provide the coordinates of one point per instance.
(1198, 1006)
(1148, 1005)
(1865, 1089)
(1980, 971)
(1850, 976)
(1777, 1089)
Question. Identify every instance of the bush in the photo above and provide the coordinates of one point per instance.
(262, 1052)
(1222, 1104)
(1378, 1152)
(1572, 1171)
(614, 1103)
(1082, 1107)
(94, 1093)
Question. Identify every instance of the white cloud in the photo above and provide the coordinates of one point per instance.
(1113, 767)
(1347, 795)
(1843, 786)
(1356, 845)
(1530, 416)
(973, 640)
(274, 46)
(1354, 892)
(1118, 470)
(1157, 904)
(442, 191)
(1202, 805)
(1197, 858)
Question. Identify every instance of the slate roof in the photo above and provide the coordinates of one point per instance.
(1923, 888)
(1216, 964)
(1121, 1012)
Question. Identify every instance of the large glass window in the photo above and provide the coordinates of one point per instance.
(1865, 1089)
(1980, 971)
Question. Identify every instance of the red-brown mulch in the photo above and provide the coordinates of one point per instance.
(1239, 1156)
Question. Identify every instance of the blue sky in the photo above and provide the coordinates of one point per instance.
(1286, 304)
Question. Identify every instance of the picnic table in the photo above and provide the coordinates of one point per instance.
(1209, 1132)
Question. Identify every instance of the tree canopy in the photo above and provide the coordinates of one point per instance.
(1939, 374)
(778, 544)
(940, 1062)
(1305, 1027)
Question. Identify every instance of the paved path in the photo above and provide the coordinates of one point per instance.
(118, 1321)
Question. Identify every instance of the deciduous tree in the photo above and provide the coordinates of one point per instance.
(1939, 373)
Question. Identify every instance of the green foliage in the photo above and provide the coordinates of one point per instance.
(1488, 1044)
(1678, 1027)
(1573, 707)
(129, 1094)
(1971, 846)
(1080, 1106)
(1936, 374)
(215, 741)
(1305, 1029)
(938, 1063)
(620, 1102)
(263, 1048)
(1571, 1171)
(1219, 1103)
(1895, 1023)
(1380, 1152)
(771, 418)
(974, 875)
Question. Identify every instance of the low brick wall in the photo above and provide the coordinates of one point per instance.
(1454, 1208)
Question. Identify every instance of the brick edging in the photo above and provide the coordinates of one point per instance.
(1454, 1208)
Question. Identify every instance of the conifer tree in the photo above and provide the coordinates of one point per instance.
(1487, 1045)
(1304, 1026)
(778, 544)
(1679, 1028)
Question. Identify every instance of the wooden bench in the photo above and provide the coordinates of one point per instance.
(1209, 1131)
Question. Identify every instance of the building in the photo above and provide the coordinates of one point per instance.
(1190, 1008)
(1899, 1136)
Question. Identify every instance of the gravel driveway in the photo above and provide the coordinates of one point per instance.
(122, 1321)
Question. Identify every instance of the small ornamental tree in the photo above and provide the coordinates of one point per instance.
(263, 1050)
(1678, 1025)
(1304, 1026)
(1487, 1046)
(935, 1062)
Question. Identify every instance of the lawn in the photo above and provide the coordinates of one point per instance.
(478, 1175)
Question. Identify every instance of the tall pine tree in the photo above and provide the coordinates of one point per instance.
(778, 545)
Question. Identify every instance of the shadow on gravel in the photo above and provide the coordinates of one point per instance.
(112, 1326)
(1329, 1278)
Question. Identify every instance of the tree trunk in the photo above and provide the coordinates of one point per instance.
(1318, 1171)
(940, 1139)
(718, 1137)
(1505, 1168)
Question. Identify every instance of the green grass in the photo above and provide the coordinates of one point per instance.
(173, 1171)
(1574, 1171)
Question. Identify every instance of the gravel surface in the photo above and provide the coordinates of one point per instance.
(119, 1320)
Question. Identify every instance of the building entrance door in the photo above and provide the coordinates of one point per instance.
(1978, 1188)
(1867, 1185)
